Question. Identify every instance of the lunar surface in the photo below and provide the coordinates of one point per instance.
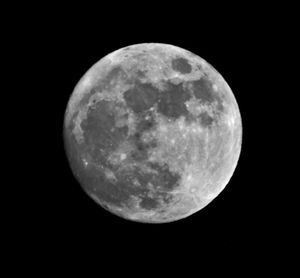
(152, 133)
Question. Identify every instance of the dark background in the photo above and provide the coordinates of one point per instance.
(60, 47)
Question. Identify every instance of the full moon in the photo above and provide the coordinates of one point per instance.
(152, 133)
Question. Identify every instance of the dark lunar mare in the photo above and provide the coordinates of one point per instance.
(181, 65)
(172, 101)
(202, 89)
(102, 137)
(98, 127)
(141, 97)
(145, 122)
(169, 102)
(205, 119)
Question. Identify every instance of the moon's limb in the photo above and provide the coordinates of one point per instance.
(120, 57)
(198, 190)
(96, 72)
(200, 186)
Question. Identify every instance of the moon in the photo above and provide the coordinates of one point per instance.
(152, 132)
